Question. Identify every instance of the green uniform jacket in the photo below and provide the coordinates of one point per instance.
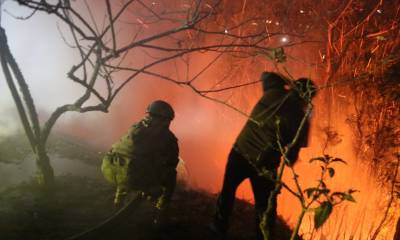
(152, 157)
(259, 137)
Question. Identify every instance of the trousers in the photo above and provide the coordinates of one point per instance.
(237, 170)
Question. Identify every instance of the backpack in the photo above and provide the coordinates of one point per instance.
(115, 168)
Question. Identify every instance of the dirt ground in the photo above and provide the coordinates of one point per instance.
(77, 204)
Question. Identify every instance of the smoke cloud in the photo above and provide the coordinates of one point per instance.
(206, 130)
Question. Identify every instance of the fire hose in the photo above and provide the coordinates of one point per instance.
(104, 227)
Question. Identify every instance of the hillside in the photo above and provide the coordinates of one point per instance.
(78, 203)
(15, 148)
(81, 199)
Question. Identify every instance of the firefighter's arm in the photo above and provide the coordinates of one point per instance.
(167, 188)
(302, 141)
(169, 177)
(171, 163)
(292, 155)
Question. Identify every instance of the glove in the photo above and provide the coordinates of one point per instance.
(155, 192)
(120, 197)
(161, 202)
(292, 156)
(268, 174)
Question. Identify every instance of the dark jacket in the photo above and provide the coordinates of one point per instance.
(259, 137)
(152, 156)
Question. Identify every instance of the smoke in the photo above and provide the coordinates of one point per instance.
(43, 57)
(8, 125)
(206, 130)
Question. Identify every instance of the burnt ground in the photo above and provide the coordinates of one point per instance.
(77, 203)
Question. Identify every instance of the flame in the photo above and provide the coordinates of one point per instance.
(206, 131)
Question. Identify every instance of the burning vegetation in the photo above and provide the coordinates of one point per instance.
(130, 52)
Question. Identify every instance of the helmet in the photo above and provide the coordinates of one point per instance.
(272, 80)
(161, 109)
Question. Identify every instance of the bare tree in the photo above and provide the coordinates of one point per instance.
(119, 41)
(108, 58)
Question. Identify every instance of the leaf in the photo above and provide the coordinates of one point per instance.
(331, 172)
(324, 191)
(322, 159)
(352, 191)
(317, 191)
(322, 213)
(337, 194)
(338, 160)
(310, 191)
(279, 55)
(348, 197)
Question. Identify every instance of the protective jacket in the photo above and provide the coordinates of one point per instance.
(149, 157)
(275, 117)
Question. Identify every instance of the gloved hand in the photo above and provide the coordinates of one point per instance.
(268, 174)
(120, 197)
(292, 156)
(161, 202)
(268, 159)
(155, 192)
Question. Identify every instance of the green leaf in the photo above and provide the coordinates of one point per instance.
(322, 213)
(279, 55)
(348, 197)
(331, 172)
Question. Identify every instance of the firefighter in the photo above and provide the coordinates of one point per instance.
(144, 160)
(256, 150)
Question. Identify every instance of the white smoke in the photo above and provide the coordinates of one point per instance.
(44, 60)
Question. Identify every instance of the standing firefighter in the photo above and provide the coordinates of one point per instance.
(144, 160)
(256, 150)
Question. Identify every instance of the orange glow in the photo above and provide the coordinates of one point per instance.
(206, 131)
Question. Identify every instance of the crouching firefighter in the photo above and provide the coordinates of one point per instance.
(143, 162)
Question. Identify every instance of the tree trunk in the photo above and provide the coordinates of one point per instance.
(26, 110)
(44, 172)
